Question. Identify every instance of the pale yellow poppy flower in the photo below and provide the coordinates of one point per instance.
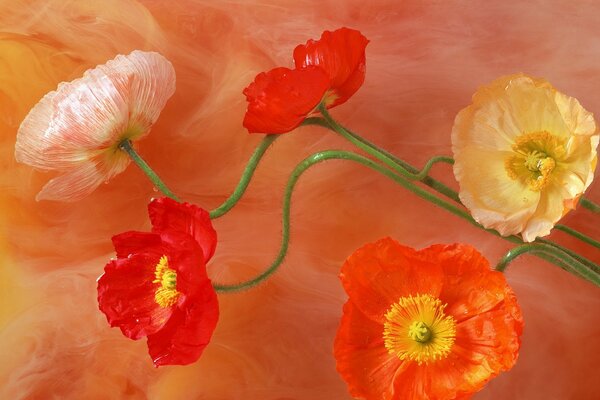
(524, 154)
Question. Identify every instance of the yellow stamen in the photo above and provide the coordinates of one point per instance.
(417, 329)
(166, 295)
(535, 157)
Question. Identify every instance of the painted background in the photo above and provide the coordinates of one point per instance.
(424, 62)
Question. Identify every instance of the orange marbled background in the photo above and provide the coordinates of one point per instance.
(424, 61)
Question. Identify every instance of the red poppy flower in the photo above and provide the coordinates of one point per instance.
(330, 70)
(433, 324)
(157, 287)
(341, 54)
(166, 213)
(279, 100)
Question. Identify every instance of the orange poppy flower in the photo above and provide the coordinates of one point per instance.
(432, 324)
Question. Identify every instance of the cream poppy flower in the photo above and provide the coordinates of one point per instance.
(77, 128)
(524, 154)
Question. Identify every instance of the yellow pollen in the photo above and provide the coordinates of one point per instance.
(535, 157)
(416, 329)
(166, 294)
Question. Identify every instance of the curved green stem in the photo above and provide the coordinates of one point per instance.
(589, 205)
(341, 155)
(554, 255)
(246, 177)
(328, 122)
(139, 161)
(382, 155)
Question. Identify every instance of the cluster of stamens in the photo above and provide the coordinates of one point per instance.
(535, 157)
(417, 329)
(166, 294)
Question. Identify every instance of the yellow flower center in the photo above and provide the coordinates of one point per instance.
(166, 294)
(417, 329)
(535, 157)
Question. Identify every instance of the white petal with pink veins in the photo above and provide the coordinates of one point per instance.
(90, 116)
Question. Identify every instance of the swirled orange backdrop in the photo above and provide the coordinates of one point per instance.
(424, 61)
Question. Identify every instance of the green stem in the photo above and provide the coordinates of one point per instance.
(343, 155)
(578, 235)
(589, 205)
(555, 255)
(382, 155)
(388, 159)
(139, 161)
(246, 177)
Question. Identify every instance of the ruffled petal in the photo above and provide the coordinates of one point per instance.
(81, 123)
(341, 54)
(550, 209)
(362, 359)
(146, 80)
(79, 181)
(187, 259)
(189, 330)
(167, 214)
(378, 274)
(279, 100)
(126, 296)
(470, 286)
(129, 243)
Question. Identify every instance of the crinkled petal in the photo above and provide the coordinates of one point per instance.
(166, 213)
(189, 330)
(495, 200)
(578, 120)
(81, 180)
(376, 276)
(341, 54)
(187, 259)
(279, 100)
(126, 296)
(549, 210)
(111, 102)
(129, 243)
(362, 359)
(470, 286)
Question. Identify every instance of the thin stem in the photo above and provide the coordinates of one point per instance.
(589, 205)
(382, 155)
(578, 235)
(341, 155)
(139, 161)
(389, 158)
(246, 177)
(557, 256)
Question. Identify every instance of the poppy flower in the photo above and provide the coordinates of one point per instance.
(524, 154)
(157, 287)
(280, 99)
(432, 324)
(76, 129)
(329, 70)
(341, 54)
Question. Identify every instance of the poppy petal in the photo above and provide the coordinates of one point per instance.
(126, 296)
(188, 332)
(168, 214)
(362, 359)
(466, 271)
(128, 243)
(341, 54)
(376, 276)
(78, 182)
(280, 99)
(146, 80)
